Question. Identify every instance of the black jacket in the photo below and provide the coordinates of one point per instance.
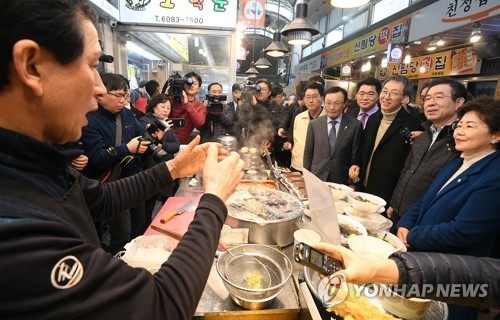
(39, 248)
(428, 270)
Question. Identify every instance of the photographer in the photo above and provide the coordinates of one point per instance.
(185, 104)
(220, 118)
(163, 136)
(111, 140)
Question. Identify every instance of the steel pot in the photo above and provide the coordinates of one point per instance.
(229, 143)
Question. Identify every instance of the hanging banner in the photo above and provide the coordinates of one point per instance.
(369, 43)
(443, 15)
(345, 69)
(220, 14)
(253, 12)
(395, 53)
(449, 63)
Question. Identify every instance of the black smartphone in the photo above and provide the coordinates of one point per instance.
(316, 260)
(177, 122)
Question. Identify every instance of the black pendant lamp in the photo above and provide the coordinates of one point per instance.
(262, 63)
(300, 31)
(277, 48)
(252, 72)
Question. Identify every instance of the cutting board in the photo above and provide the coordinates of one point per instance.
(180, 223)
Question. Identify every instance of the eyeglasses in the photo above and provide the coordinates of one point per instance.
(370, 95)
(466, 127)
(390, 95)
(311, 97)
(120, 96)
(336, 104)
(436, 98)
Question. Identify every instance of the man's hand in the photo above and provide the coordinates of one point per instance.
(80, 162)
(287, 146)
(403, 234)
(191, 160)
(137, 145)
(221, 178)
(354, 173)
(282, 132)
(389, 212)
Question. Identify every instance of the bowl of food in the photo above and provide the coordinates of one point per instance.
(370, 247)
(340, 206)
(365, 202)
(411, 308)
(339, 191)
(389, 238)
(371, 221)
(349, 228)
(387, 225)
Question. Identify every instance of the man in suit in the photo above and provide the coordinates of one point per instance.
(236, 93)
(329, 154)
(386, 140)
(366, 100)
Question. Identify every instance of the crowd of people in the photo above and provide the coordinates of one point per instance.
(94, 162)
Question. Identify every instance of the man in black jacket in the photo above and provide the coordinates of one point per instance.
(52, 264)
(429, 152)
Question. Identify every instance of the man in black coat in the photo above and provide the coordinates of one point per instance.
(386, 143)
(366, 100)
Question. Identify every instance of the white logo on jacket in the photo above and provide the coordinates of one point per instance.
(66, 273)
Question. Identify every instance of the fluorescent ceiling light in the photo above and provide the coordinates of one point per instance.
(140, 51)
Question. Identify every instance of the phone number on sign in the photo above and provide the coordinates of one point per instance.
(175, 19)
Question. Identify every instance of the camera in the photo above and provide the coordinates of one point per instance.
(175, 84)
(156, 125)
(215, 103)
(113, 23)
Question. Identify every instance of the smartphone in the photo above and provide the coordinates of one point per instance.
(316, 260)
(177, 122)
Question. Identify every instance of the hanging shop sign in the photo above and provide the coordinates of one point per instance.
(369, 43)
(462, 61)
(220, 14)
(253, 13)
(107, 7)
(445, 15)
(395, 53)
(307, 66)
(345, 69)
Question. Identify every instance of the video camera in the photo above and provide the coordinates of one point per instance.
(175, 85)
(157, 124)
(215, 103)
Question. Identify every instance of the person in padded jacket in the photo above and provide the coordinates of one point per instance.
(52, 264)
(423, 272)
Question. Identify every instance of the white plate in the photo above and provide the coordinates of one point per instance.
(371, 221)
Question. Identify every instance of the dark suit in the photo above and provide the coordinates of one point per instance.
(353, 111)
(317, 158)
(231, 106)
(389, 156)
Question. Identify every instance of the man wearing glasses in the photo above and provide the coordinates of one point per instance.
(366, 100)
(329, 153)
(429, 152)
(111, 142)
(189, 108)
(386, 140)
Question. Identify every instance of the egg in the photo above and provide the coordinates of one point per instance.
(244, 150)
(252, 150)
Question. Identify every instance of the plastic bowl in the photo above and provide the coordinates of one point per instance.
(339, 191)
(371, 204)
(412, 308)
(352, 224)
(370, 247)
(390, 238)
(371, 221)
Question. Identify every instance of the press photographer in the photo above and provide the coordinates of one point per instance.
(185, 104)
(220, 117)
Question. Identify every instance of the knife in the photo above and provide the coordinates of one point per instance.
(173, 213)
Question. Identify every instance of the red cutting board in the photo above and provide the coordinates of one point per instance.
(180, 223)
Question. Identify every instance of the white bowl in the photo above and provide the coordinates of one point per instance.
(370, 247)
(390, 238)
(339, 191)
(371, 221)
(340, 206)
(387, 225)
(371, 202)
(353, 225)
(412, 308)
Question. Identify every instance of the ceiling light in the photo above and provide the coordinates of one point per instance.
(348, 3)
(140, 51)
(252, 72)
(383, 64)
(432, 45)
(300, 31)
(262, 63)
(476, 35)
(276, 48)
(371, 56)
(440, 42)
(407, 58)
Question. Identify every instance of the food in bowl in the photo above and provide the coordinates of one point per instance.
(389, 238)
(412, 308)
(349, 228)
(339, 191)
(365, 202)
(370, 247)
(371, 221)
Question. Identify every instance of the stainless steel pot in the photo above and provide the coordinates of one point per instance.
(230, 143)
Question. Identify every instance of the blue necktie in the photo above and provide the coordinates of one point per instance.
(332, 136)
